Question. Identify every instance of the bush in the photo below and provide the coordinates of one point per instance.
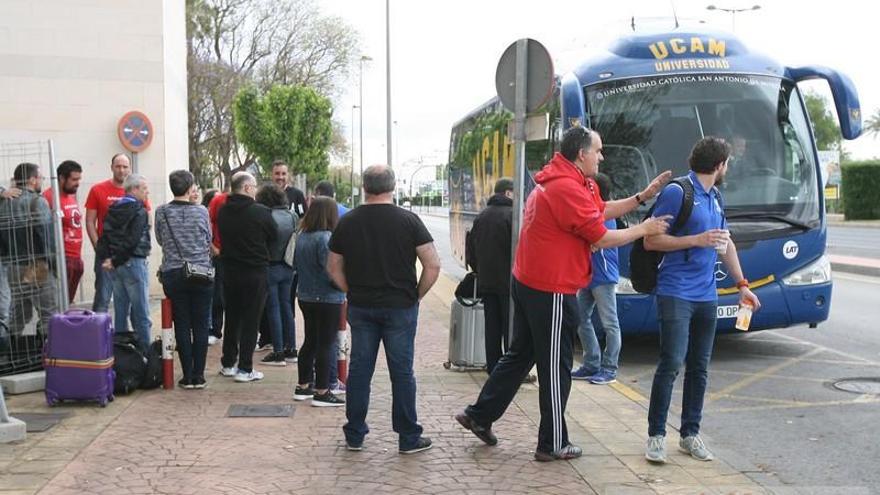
(860, 185)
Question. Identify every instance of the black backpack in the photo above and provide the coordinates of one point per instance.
(129, 363)
(153, 373)
(643, 264)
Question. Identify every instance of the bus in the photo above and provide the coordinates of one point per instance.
(651, 96)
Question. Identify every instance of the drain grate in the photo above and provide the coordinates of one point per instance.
(861, 386)
(260, 411)
(39, 422)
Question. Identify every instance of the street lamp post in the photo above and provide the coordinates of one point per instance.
(733, 11)
(351, 179)
(396, 150)
(388, 79)
(364, 58)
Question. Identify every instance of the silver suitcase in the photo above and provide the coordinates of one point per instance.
(467, 342)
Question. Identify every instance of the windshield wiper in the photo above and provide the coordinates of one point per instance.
(767, 216)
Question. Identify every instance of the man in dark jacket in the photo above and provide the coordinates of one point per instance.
(27, 250)
(488, 254)
(124, 247)
(247, 230)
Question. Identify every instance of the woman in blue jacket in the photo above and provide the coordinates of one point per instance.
(319, 300)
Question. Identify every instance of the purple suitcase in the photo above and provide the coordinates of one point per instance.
(78, 357)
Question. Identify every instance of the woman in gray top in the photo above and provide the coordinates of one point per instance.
(279, 303)
(184, 232)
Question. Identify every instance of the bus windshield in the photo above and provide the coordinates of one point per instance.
(650, 124)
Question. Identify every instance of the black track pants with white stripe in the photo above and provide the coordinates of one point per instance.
(543, 331)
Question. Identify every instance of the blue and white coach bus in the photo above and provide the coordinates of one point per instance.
(651, 97)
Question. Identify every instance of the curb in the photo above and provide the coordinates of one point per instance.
(870, 271)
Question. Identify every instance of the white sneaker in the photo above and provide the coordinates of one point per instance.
(212, 340)
(243, 377)
(229, 371)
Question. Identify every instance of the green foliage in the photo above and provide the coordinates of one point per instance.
(872, 125)
(860, 185)
(825, 126)
(292, 123)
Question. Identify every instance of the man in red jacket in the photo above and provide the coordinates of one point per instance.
(564, 217)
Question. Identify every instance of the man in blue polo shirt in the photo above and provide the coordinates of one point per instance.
(687, 297)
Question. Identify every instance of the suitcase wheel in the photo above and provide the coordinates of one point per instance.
(447, 365)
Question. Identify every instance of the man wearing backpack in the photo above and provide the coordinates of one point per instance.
(687, 296)
(565, 216)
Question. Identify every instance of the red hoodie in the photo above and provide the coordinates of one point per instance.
(564, 215)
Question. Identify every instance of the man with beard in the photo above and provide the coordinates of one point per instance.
(687, 297)
(69, 176)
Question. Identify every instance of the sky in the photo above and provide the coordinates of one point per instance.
(444, 54)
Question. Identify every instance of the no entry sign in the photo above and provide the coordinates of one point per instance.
(135, 131)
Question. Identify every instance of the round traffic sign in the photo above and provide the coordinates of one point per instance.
(539, 76)
(135, 131)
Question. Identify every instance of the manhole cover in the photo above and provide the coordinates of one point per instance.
(260, 411)
(39, 422)
(861, 386)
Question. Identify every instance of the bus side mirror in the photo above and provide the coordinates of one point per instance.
(846, 98)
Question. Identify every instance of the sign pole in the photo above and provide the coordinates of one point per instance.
(519, 119)
(134, 162)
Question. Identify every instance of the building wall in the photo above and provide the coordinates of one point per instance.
(69, 69)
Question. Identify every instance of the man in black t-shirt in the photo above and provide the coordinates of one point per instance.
(372, 258)
(295, 198)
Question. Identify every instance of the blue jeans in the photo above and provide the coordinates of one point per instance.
(396, 329)
(191, 309)
(600, 297)
(131, 296)
(687, 333)
(103, 288)
(279, 309)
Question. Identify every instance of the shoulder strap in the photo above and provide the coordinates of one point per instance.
(687, 203)
(171, 232)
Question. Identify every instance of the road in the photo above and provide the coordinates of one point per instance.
(854, 241)
(771, 406)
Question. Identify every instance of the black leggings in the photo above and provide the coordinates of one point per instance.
(322, 323)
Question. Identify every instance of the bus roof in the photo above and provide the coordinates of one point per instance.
(680, 51)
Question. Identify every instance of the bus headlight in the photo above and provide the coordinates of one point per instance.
(817, 272)
(625, 286)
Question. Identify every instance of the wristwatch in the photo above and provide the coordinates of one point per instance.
(639, 199)
(742, 283)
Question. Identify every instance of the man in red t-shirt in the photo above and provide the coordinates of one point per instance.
(69, 176)
(101, 196)
(219, 303)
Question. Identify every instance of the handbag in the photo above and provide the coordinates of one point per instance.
(466, 292)
(290, 250)
(192, 273)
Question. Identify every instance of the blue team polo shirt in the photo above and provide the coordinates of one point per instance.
(691, 279)
(605, 262)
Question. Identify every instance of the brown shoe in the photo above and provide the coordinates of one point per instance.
(483, 433)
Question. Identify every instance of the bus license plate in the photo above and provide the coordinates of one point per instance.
(727, 311)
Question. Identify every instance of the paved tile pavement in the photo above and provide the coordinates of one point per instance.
(180, 442)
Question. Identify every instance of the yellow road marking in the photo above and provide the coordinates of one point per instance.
(628, 392)
(760, 375)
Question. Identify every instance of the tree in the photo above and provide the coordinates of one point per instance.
(872, 125)
(235, 43)
(292, 123)
(825, 127)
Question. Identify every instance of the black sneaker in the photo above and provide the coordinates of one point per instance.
(274, 359)
(354, 447)
(424, 443)
(567, 452)
(290, 355)
(483, 433)
(303, 393)
(327, 399)
(199, 382)
(185, 383)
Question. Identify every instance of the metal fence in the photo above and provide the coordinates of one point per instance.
(33, 277)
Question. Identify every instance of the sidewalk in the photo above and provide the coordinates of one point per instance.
(837, 220)
(181, 442)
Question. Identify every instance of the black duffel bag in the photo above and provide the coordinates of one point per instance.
(129, 363)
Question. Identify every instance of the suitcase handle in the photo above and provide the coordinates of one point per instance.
(78, 316)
